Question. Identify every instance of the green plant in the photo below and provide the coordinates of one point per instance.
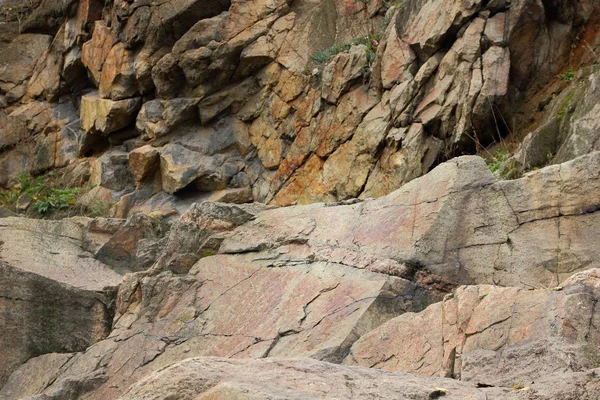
(568, 75)
(499, 164)
(497, 160)
(47, 198)
(100, 209)
(55, 199)
(321, 57)
(8, 198)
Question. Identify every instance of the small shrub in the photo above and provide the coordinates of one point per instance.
(496, 162)
(100, 209)
(55, 199)
(8, 198)
(568, 75)
(323, 56)
(499, 166)
(46, 198)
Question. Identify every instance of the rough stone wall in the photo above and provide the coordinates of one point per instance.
(226, 97)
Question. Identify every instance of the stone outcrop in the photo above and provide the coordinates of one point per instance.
(372, 236)
(40, 316)
(569, 130)
(210, 378)
(297, 104)
(360, 282)
(316, 310)
(491, 335)
(457, 222)
(38, 136)
(54, 296)
(300, 379)
(55, 250)
(104, 116)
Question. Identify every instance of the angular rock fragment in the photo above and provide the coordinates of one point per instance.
(143, 161)
(117, 80)
(158, 118)
(491, 335)
(104, 116)
(55, 297)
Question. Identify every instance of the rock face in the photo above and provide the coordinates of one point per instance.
(491, 335)
(42, 316)
(291, 103)
(216, 378)
(372, 236)
(54, 297)
(569, 130)
(54, 249)
(316, 310)
(457, 222)
(359, 283)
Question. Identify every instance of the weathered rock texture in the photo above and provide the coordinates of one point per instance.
(457, 222)
(217, 378)
(357, 282)
(156, 107)
(236, 307)
(54, 297)
(570, 128)
(211, 378)
(55, 250)
(40, 315)
(231, 98)
(497, 336)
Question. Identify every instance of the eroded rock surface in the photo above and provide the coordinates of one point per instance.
(40, 316)
(491, 335)
(54, 249)
(54, 296)
(297, 103)
(332, 282)
(242, 306)
(165, 111)
(457, 222)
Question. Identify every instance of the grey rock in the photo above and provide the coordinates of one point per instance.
(43, 316)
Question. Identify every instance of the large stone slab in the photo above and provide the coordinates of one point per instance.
(55, 297)
(213, 378)
(242, 306)
(456, 222)
(53, 249)
(40, 315)
(491, 335)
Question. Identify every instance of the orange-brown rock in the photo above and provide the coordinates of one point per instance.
(143, 161)
(117, 79)
(95, 51)
(104, 116)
